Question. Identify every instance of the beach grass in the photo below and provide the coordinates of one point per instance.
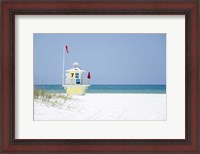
(54, 99)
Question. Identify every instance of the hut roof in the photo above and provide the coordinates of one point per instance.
(75, 70)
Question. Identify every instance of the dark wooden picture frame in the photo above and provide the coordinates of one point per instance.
(7, 67)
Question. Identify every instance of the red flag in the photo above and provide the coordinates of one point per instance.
(89, 77)
(66, 47)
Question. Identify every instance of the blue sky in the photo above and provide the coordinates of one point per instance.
(111, 58)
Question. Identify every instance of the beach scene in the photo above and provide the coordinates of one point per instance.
(99, 77)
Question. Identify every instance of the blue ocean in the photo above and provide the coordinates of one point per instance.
(144, 89)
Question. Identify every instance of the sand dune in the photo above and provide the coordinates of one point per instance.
(104, 107)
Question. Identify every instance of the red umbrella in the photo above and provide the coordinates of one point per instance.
(88, 76)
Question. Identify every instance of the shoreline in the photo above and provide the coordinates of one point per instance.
(111, 88)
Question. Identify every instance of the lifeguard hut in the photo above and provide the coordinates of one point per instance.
(74, 82)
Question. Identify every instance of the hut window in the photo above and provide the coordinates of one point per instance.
(77, 75)
(78, 81)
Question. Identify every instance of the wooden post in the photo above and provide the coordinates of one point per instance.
(63, 73)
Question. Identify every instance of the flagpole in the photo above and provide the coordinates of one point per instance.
(63, 73)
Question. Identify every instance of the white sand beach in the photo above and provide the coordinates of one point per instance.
(104, 107)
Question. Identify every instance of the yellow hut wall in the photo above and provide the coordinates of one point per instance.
(80, 90)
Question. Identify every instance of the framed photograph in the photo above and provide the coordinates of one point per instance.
(120, 84)
(99, 76)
